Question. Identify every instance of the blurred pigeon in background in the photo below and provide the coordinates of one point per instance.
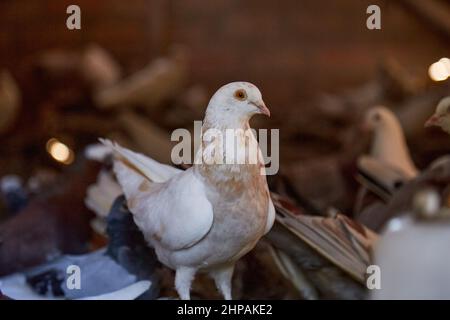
(388, 166)
(389, 144)
(441, 117)
(127, 262)
(389, 163)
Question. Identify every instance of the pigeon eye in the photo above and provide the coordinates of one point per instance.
(376, 117)
(240, 95)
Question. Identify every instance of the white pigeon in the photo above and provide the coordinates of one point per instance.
(389, 144)
(441, 117)
(389, 164)
(206, 217)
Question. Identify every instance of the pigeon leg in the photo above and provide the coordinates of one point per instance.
(222, 276)
(183, 280)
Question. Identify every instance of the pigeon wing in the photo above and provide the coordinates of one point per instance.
(176, 214)
(380, 177)
(169, 205)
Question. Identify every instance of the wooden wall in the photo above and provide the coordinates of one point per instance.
(292, 49)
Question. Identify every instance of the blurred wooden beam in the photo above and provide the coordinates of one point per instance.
(147, 137)
(162, 79)
(161, 25)
(434, 12)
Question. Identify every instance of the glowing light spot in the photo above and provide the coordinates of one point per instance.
(440, 71)
(446, 63)
(59, 151)
(395, 225)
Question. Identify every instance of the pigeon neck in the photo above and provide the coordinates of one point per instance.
(216, 160)
(223, 124)
(222, 117)
(223, 127)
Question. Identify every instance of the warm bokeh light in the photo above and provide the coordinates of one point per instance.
(446, 63)
(440, 71)
(59, 151)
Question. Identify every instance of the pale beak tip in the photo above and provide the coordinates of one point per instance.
(263, 109)
(432, 121)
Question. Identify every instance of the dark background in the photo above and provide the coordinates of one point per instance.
(292, 49)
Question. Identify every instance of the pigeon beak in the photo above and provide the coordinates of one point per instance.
(262, 108)
(432, 121)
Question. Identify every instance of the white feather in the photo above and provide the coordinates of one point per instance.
(175, 214)
(153, 170)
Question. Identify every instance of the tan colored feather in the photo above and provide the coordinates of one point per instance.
(342, 241)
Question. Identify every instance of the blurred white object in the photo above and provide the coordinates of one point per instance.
(100, 197)
(102, 194)
(97, 152)
(414, 257)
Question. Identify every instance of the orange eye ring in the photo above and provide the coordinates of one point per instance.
(240, 94)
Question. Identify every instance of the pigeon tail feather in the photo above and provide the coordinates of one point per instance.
(129, 178)
(147, 167)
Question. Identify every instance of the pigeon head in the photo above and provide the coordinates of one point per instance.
(234, 104)
(379, 117)
(441, 117)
